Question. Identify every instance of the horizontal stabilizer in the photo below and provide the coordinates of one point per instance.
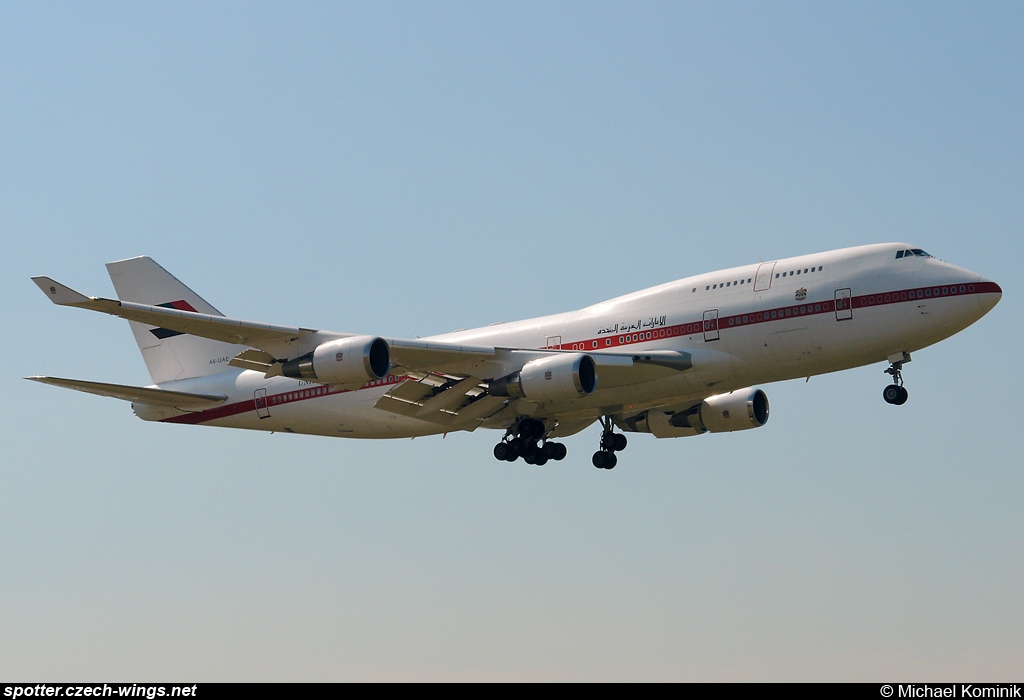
(138, 394)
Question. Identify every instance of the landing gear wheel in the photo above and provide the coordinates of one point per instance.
(501, 451)
(891, 394)
(611, 442)
(895, 394)
(903, 396)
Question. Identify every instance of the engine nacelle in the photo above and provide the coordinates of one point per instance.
(738, 410)
(555, 378)
(346, 361)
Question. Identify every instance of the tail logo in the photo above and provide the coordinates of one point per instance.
(180, 305)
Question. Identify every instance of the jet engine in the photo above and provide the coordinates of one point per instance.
(555, 378)
(346, 361)
(738, 410)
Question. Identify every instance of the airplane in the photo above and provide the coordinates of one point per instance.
(679, 359)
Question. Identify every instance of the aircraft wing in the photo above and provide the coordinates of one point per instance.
(140, 394)
(435, 363)
(279, 341)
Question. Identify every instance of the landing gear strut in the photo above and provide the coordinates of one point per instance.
(896, 394)
(611, 442)
(527, 438)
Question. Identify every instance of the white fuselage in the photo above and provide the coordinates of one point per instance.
(754, 324)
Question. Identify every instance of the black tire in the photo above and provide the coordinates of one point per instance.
(560, 452)
(549, 450)
(608, 441)
(540, 461)
(501, 452)
(620, 442)
(902, 398)
(891, 394)
(600, 458)
(513, 451)
(612, 461)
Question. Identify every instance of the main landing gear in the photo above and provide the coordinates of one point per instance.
(527, 439)
(896, 394)
(611, 442)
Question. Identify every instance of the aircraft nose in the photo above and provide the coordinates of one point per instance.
(990, 294)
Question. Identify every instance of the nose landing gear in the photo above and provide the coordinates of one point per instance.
(611, 442)
(896, 394)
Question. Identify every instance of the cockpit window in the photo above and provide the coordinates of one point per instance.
(911, 252)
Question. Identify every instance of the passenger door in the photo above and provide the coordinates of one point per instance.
(844, 304)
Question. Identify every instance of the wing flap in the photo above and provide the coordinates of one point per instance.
(459, 404)
(138, 394)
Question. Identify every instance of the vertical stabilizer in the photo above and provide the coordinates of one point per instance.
(169, 355)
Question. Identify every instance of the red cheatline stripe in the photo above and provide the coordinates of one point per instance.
(698, 327)
(620, 340)
(286, 397)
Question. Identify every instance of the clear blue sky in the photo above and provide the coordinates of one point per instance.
(408, 169)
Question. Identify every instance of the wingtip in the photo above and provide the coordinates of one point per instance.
(58, 293)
